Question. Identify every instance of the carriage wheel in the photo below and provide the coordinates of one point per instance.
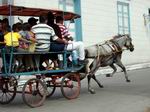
(50, 86)
(31, 92)
(8, 87)
(70, 85)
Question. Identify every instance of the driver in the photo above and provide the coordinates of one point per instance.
(72, 45)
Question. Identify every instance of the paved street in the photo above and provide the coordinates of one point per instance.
(116, 96)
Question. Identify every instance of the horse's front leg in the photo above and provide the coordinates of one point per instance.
(93, 68)
(114, 68)
(90, 89)
(119, 63)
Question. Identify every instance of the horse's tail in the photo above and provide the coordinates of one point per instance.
(91, 65)
(86, 53)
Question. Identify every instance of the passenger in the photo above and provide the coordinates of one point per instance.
(54, 45)
(30, 47)
(65, 34)
(2, 44)
(1, 33)
(12, 39)
(27, 34)
(5, 26)
(70, 45)
(64, 30)
(32, 21)
(43, 34)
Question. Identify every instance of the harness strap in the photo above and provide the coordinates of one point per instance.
(115, 46)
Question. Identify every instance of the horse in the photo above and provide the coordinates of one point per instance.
(106, 54)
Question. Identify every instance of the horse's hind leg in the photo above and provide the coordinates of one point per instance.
(119, 63)
(114, 68)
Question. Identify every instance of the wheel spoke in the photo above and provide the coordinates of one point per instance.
(70, 86)
(8, 92)
(33, 98)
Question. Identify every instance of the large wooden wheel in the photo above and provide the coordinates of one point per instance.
(70, 85)
(31, 92)
(8, 87)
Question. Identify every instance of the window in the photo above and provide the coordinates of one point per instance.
(123, 18)
(72, 6)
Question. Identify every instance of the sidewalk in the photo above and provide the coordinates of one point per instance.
(128, 68)
(103, 70)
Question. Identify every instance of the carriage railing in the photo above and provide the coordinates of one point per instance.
(8, 67)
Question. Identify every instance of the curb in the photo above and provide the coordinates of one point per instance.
(108, 70)
(128, 68)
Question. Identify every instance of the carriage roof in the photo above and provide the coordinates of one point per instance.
(7, 10)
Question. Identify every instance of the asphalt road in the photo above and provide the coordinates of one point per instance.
(116, 96)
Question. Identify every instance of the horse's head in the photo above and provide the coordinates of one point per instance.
(128, 43)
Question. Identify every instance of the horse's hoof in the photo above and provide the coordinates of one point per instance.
(92, 91)
(128, 80)
(101, 86)
(108, 75)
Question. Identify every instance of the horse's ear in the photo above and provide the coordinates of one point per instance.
(119, 35)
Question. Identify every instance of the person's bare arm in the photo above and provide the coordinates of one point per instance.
(61, 41)
(24, 40)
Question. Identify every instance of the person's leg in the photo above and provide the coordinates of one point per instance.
(56, 47)
(79, 47)
(29, 62)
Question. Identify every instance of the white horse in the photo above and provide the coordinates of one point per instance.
(107, 54)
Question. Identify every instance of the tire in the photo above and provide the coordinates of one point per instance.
(31, 92)
(8, 88)
(70, 85)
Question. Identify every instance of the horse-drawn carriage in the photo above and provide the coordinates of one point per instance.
(44, 83)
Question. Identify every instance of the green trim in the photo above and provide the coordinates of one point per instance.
(78, 22)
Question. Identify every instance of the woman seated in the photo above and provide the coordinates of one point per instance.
(27, 34)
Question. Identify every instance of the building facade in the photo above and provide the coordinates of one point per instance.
(101, 19)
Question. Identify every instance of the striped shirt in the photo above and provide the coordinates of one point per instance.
(43, 34)
(64, 30)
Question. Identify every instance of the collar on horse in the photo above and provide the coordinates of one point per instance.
(115, 46)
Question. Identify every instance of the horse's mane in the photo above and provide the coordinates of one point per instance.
(113, 38)
(120, 35)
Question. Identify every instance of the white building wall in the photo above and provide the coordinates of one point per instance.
(47, 4)
(139, 31)
(37, 3)
(99, 22)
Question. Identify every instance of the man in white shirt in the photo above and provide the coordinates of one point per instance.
(73, 45)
